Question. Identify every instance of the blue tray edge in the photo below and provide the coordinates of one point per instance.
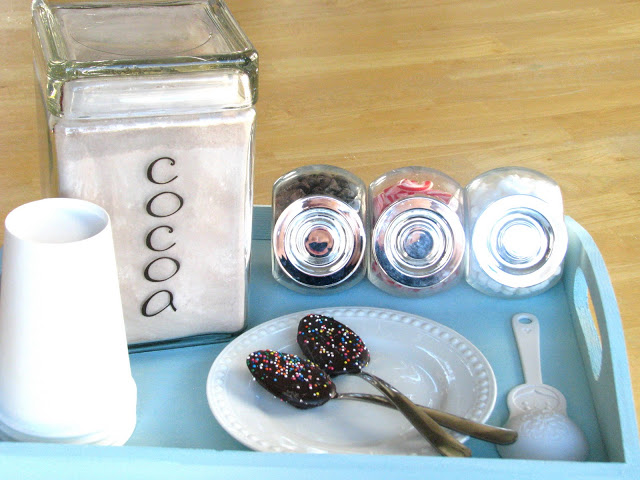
(586, 276)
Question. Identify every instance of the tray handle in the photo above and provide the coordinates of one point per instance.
(601, 340)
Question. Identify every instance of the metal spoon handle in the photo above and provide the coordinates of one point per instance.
(489, 433)
(442, 441)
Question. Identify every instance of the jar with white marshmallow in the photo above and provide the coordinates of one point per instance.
(517, 237)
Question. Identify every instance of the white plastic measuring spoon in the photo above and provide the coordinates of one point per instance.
(538, 412)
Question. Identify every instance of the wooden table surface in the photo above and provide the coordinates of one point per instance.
(461, 86)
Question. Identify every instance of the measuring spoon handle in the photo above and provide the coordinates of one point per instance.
(526, 329)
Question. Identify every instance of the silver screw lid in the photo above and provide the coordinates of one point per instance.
(319, 241)
(520, 241)
(418, 242)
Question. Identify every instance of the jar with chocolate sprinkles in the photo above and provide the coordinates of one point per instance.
(417, 239)
(318, 229)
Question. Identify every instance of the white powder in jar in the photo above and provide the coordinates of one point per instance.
(179, 193)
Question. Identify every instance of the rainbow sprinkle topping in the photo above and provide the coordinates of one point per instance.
(332, 345)
(290, 378)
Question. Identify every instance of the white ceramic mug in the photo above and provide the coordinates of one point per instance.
(65, 375)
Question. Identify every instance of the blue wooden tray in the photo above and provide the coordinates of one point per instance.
(177, 436)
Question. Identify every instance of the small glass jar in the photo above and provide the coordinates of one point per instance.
(319, 229)
(418, 239)
(146, 108)
(516, 231)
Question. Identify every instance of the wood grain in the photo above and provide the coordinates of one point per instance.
(461, 86)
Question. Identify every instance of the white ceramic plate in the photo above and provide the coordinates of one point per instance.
(430, 363)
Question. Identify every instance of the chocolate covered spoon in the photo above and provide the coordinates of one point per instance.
(337, 349)
(305, 385)
(289, 377)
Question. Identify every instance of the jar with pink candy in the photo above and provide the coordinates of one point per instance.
(418, 237)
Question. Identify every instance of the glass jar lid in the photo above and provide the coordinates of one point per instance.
(418, 242)
(319, 241)
(519, 241)
(99, 58)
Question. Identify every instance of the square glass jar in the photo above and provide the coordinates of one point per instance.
(146, 108)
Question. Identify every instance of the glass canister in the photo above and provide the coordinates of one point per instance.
(147, 109)
(418, 239)
(319, 229)
(516, 230)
